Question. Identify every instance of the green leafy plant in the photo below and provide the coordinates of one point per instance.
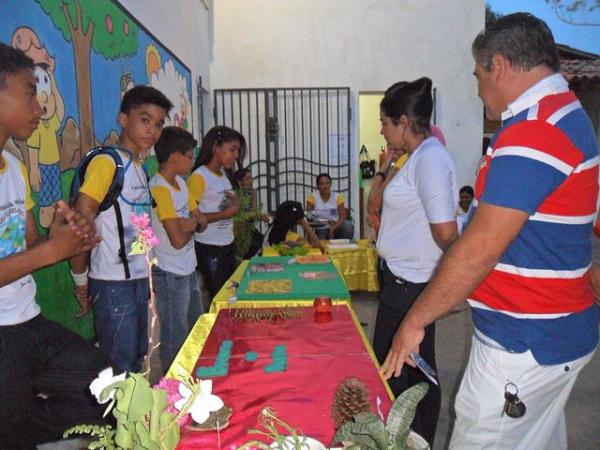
(368, 431)
(144, 418)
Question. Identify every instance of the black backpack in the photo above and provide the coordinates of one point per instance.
(114, 191)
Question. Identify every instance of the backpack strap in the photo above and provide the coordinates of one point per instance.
(121, 231)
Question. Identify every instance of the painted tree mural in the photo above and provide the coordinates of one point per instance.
(91, 24)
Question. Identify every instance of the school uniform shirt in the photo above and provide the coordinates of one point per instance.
(423, 192)
(172, 203)
(208, 190)
(325, 209)
(105, 263)
(17, 299)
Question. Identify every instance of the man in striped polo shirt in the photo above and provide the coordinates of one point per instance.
(524, 262)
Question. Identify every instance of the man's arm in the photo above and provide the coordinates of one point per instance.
(461, 270)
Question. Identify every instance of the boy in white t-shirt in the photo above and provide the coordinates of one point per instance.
(117, 287)
(175, 218)
(37, 356)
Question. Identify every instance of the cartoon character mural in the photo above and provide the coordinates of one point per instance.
(87, 54)
(44, 157)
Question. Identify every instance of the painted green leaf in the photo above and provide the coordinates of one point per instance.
(115, 34)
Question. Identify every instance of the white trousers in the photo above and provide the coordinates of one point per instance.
(480, 401)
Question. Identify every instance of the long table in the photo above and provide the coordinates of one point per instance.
(319, 356)
(232, 296)
(357, 265)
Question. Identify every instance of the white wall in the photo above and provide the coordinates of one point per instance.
(364, 44)
(185, 28)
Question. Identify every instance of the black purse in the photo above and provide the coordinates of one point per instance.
(367, 166)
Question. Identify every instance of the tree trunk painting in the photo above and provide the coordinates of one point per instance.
(82, 45)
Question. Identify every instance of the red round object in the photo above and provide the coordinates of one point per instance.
(322, 304)
(323, 317)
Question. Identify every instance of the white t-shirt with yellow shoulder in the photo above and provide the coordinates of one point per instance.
(17, 299)
(105, 263)
(325, 209)
(172, 202)
(208, 190)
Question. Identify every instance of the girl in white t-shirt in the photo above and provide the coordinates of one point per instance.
(417, 224)
(211, 188)
(328, 205)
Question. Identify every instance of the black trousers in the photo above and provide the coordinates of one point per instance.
(42, 357)
(395, 299)
(216, 264)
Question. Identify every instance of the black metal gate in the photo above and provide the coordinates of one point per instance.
(293, 134)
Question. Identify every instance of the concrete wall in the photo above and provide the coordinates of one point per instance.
(185, 27)
(364, 44)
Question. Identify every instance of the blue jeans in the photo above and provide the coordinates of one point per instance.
(121, 321)
(179, 305)
(41, 356)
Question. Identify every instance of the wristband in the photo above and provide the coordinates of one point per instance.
(80, 279)
(381, 173)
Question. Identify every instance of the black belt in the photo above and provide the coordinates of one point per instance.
(399, 280)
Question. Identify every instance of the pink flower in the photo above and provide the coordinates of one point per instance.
(171, 387)
(153, 241)
(141, 221)
(147, 233)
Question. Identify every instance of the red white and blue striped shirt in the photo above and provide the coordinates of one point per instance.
(544, 161)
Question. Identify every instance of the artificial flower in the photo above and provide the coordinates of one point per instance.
(105, 379)
(204, 403)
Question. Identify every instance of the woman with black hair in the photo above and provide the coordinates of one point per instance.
(289, 215)
(329, 205)
(210, 186)
(418, 206)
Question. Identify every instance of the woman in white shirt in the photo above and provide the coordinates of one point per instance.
(418, 205)
(328, 205)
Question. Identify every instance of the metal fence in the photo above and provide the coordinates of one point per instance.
(293, 134)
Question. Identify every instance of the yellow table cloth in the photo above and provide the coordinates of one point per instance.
(358, 266)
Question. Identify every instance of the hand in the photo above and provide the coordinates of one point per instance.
(407, 339)
(35, 178)
(70, 233)
(391, 156)
(79, 224)
(85, 302)
(233, 205)
(202, 221)
(595, 279)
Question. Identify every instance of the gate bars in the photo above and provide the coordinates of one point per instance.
(293, 134)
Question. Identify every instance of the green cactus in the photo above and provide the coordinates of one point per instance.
(369, 432)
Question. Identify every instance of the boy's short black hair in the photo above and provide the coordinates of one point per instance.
(173, 140)
(12, 60)
(143, 95)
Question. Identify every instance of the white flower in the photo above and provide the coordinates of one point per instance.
(204, 403)
(105, 379)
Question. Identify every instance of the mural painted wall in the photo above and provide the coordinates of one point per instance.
(87, 54)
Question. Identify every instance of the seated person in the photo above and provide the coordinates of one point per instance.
(328, 205)
(288, 215)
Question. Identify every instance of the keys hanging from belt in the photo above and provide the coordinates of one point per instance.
(513, 406)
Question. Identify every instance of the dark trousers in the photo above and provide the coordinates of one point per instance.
(395, 299)
(216, 264)
(42, 357)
